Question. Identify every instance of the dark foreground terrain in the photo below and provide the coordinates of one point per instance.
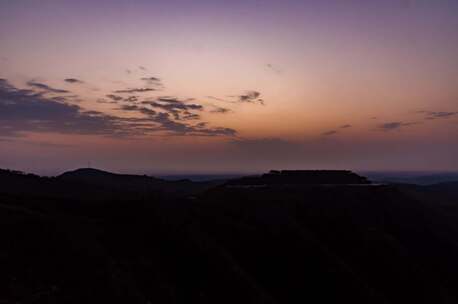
(94, 237)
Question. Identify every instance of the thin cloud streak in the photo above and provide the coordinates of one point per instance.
(45, 87)
(73, 81)
(396, 125)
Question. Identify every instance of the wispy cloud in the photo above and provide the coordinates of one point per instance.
(73, 81)
(135, 90)
(396, 125)
(220, 110)
(431, 115)
(217, 98)
(329, 133)
(274, 68)
(164, 121)
(45, 87)
(181, 110)
(334, 132)
(173, 115)
(114, 97)
(131, 99)
(24, 111)
(250, 97)
(151, 80)
(102, 100)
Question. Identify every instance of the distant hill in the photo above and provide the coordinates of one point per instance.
(417, 178)
(94, 184)
(88, 172)
(94, 175)
(110, 180)
(303, 177)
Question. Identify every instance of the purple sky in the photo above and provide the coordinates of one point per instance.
(228, 86)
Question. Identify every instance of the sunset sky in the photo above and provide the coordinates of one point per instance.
(168, 86)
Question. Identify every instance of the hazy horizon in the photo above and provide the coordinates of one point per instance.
(208, 175)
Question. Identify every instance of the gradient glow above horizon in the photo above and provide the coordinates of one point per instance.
(228, 86)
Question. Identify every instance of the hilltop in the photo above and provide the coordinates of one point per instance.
(303, 177)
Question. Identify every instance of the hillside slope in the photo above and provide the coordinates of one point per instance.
(270, 244)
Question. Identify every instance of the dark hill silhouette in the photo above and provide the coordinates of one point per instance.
(423, 179)
(138, 184)
(114, 181)
(87, 172)
(92, 175)
(28, 184)
(92, 184)
(294, 243)
(302, 177)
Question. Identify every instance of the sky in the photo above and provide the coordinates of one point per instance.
(165, 87)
